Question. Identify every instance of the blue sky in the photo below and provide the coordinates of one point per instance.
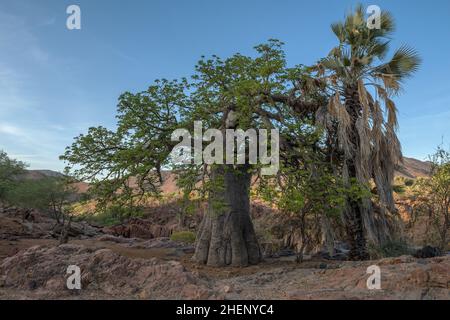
(55, 83)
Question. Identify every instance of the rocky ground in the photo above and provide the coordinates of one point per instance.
(33, 266)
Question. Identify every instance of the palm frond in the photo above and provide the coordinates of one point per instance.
(392, 114)
(339, 31)
(391, 84)
(407, 61)
(364, 99)
(358, 16)
(403, 64)
(387, 23)
(378, 49)
(332, 63)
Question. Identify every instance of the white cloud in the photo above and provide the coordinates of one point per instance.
(39, 146)
(11, 130)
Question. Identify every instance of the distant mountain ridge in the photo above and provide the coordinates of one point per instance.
(413, 168)
(81, 187)
(410, 168)
(40, 174)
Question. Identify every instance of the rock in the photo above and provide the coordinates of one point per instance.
(227, 289)
(77, 229)
(24, 223)
(40, 272)
(396, 260)
(139, 228)
(401, 278)
(339, 252)
(188, 250)
(164, 243)
(109, 237)
(286, 253)
(428, 252)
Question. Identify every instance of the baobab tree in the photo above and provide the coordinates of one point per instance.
(240, 92)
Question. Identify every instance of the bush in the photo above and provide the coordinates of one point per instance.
(397, 188)
(52, 195)
(401, 184)
(393, 248)
(183, 236)
(9, 170)
(433, 199)
(113, 215)
(102, 218)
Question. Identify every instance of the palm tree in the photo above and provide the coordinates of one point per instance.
(363, 118)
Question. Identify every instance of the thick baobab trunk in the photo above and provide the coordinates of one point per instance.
(226, 235)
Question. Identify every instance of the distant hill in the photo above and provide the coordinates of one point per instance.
(413, 168)
(81, 187)
(410, 168)
(40, 174)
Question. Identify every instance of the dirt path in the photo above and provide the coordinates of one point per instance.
(10, 248)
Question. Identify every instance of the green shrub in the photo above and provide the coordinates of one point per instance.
(398, 188)
(393, 248)
(9, 169)
(113, 215)
(106, 219)
(183, 236)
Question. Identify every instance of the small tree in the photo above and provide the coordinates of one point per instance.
(433, 196)
(51, 195)
(311, 200)
(9, 170)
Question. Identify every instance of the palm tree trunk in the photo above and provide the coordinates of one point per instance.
(354, 222)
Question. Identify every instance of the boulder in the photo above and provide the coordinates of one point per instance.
(139, 228)
(428, 252)
(41, 272)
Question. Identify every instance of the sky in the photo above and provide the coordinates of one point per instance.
(55, 83)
